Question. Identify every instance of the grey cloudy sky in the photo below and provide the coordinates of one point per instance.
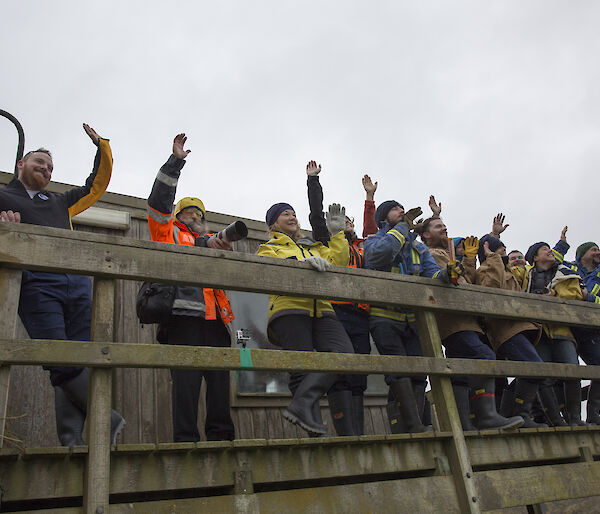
(492, 106)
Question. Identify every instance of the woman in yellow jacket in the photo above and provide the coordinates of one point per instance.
(306, 324)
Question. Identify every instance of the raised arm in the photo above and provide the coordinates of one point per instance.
(369, 225)
(162, 196)
(315, 203)
(80, 198)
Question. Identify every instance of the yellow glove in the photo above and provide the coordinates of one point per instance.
(471, 245)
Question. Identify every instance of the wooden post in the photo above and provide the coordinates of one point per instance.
(96, 487)
(10, 289)
(449, 420)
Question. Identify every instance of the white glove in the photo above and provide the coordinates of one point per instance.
(318, 263)
(336, 218)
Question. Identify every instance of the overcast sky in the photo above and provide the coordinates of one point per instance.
(491, 106)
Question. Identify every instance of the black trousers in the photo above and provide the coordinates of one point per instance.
(190, 331)
(304, 334)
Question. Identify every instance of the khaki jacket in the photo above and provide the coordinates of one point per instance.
(449, 324)
(493, 273)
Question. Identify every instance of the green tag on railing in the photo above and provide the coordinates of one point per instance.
(246, 358)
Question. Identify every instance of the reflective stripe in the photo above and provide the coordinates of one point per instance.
(397, 235)
(558, 256)
(395, 269)
(189, 304)
(165, 179)
(416, 258)
(597, 299)
(595, 289)
(435, 275)
(157, 216)
(398, 316)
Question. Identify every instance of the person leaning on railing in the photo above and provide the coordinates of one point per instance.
(305, 324)
(395, 250)
(199, 317)
(548, 276)
(514, 339)
(58, 306)
(346, 402)
(463, 338)
(587, 264)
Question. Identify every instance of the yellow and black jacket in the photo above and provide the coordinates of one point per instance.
(281, 246)
(56, 209)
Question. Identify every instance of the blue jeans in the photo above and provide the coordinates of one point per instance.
(466, 344)
(520, 348)
(396, 338)
(56, 306)
(557, 350)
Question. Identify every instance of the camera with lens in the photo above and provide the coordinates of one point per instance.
(234, 232)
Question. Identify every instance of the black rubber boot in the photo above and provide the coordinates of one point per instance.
(69, 420)
(483, 402)
(593, 404)
(394, 416)
(358, 414)
(550, 406)
(573, 403)
(301, 409)
(76, 390)
(340, 406)
(403, 393)
(461, 396)
(519, 403)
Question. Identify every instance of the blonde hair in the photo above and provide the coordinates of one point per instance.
(276, 228)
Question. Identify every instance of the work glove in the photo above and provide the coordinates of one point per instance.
(336, 218)
(409, 217)
(455, 270)
(318, 263)
(471, 245)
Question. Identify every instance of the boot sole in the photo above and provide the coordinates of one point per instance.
(297, 421)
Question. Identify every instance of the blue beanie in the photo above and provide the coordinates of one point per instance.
(456, 241)
(493, 242)
(274, 212)
(383, 210)
(533, 250)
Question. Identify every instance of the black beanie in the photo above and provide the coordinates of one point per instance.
(493, 242)
(274, 212)
(533, 250)
(383, 210)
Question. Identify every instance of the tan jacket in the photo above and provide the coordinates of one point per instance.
(449, 324)
(493, 273)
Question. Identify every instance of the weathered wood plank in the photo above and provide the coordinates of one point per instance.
(112, 256)
(448, 418)
(537, 484)
(10, 288)
(126, 355)
(97, 475)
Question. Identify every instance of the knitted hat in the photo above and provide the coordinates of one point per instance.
(383, 210)
(581, 249)
(533, 250)
(274, 212)
(493, 242)
(456, 241)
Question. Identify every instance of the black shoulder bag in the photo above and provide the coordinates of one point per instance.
(154, 302)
